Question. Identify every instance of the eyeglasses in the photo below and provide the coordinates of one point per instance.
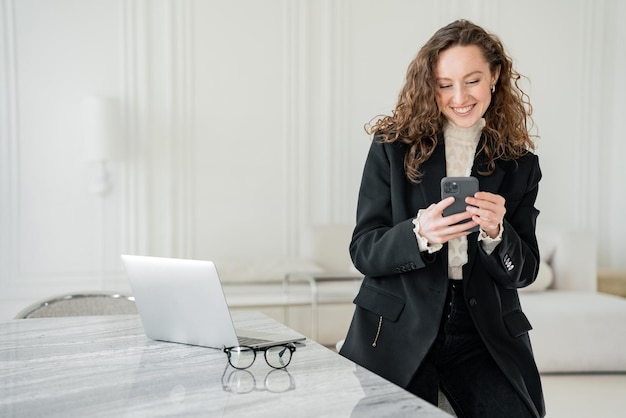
(277, 356)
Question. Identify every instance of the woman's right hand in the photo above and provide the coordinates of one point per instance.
(439, 229)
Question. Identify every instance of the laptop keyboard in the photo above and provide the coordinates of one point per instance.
(249, 341)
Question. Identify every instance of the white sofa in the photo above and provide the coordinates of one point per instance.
(575, 328)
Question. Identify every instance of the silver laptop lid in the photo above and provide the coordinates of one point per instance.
(180, 301)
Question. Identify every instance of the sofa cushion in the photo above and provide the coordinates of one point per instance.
(256, 270)
(544, 280)
(572, 256)
(547, 246)
(576, 331)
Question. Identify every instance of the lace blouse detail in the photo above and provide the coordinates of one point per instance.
(461, 146)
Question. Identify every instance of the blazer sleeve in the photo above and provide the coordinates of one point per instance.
(515, 261)
(383, 242)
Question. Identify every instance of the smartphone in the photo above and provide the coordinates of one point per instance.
(459, 188)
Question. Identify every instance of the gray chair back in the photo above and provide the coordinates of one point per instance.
(81, 304)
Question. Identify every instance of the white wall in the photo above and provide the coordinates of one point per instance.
(244, 123)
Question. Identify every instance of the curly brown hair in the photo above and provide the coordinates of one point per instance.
(417, 120)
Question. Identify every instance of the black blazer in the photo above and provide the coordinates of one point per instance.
(401, 300)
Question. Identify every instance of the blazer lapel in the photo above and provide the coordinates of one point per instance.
(434, 169)
(489, 184)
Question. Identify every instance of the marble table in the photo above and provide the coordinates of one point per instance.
(105, 366)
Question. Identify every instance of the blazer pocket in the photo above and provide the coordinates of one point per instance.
(379, 302)
(517, 323)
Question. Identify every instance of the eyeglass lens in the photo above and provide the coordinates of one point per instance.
(278, 357)
(241, 357)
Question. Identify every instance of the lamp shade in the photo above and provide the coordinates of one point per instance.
(102, 131)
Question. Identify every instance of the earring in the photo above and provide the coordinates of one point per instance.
(493, 88)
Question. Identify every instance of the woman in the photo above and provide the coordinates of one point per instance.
(438, 308)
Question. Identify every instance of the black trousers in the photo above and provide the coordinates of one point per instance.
(461, 366)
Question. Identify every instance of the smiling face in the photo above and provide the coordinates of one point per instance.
(463, 83)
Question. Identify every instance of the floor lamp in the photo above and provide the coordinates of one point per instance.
(103, 140)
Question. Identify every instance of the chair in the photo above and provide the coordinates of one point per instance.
(81, 304)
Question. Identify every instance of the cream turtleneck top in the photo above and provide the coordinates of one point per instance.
(460, 145)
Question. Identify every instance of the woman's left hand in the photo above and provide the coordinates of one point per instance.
(488, 211)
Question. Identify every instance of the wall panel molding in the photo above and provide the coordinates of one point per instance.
(591, 73)
(295, 123)
(339, 70)
(159, 112)
(135, 64)
(181, 111)
(602, 140)
(9, 148)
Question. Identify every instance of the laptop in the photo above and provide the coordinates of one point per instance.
(182, 301)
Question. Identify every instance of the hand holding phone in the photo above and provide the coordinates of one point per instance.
(459, 188)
